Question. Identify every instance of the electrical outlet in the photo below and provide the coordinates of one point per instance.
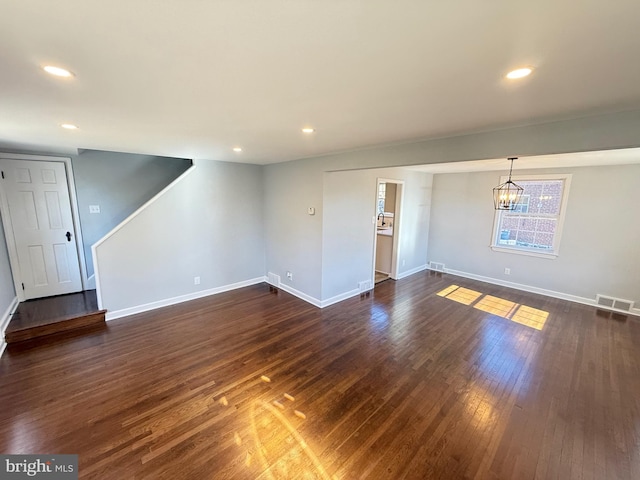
(290, 276)
(507, 271)
(94, 208)
(403, 262)
(196, 280)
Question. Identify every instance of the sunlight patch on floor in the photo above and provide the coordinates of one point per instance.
(522, 314)
(496, 306)
(447, 291)
(531, 317)
(460, 295)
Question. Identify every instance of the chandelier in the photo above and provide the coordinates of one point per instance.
(507, 195)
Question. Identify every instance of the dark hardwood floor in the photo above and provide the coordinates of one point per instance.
(403, 383)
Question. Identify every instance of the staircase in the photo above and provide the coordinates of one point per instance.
(42, 317)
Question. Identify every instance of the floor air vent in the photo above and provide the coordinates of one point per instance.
(273, 279)
(614, 303)
(438, 267)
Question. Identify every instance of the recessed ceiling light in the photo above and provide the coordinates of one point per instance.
(69, 126)
(519, 73)
(57, 71)
(237, 149)
(308, 130)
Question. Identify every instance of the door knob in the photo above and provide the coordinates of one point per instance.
(68, 235)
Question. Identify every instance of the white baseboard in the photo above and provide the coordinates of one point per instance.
(541, 291)
(412, 271)
(339, 298)
(4, 322)
(314, 301)
(353, 293)
(297, 293)
(112, 315)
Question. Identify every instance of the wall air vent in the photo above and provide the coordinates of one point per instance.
(614, 303)
(273, 279)
(364, 286)
(438, 267)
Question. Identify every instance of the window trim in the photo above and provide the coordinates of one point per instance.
(566, 179)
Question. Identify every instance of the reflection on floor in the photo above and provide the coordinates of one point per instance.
(381, 277)
(280, 449)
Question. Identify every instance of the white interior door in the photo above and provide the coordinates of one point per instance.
(37, 195)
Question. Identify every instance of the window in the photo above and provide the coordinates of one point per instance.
(382, 193)
(535, 225)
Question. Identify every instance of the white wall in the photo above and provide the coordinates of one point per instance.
(600, 247)
(348, 232)
(293, 238)
(390, 197)
(209, 224)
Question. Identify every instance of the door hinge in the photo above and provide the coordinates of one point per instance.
(23, 286)
(2, 174)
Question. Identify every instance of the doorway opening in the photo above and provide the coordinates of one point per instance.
(387, 229)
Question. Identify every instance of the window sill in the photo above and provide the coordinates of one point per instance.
(517, 251)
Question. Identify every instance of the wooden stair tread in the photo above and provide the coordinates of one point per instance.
(47, 316)
(19, 326)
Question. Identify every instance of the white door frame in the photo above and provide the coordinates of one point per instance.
(397, 221)
(8, 227)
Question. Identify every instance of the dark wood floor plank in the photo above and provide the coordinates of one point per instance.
(399, 384)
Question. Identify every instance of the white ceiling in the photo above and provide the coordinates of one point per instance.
(194, 78)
